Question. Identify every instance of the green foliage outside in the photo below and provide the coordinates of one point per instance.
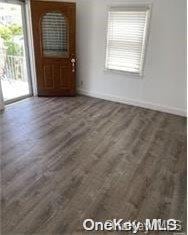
(8, 33)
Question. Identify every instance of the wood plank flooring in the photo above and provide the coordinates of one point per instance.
(68, 159)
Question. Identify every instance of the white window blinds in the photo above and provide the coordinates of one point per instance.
(126, 39)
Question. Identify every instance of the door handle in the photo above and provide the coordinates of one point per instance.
(73, 61)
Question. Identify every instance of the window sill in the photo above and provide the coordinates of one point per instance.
(122, 72)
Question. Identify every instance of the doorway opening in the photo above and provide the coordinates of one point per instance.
(14, 61)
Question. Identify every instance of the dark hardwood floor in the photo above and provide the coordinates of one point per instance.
(68, 159)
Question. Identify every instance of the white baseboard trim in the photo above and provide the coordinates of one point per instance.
(141, 104)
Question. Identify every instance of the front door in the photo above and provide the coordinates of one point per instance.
(54, 43)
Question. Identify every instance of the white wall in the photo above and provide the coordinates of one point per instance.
(163, 86)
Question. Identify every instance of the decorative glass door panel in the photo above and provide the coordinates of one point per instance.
(55, 35)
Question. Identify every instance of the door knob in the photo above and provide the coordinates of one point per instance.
(73, 61)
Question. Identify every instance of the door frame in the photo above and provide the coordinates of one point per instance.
(26, 47)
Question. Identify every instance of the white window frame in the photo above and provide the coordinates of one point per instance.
(126, 7)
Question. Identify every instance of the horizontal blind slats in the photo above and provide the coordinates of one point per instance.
(125, 39)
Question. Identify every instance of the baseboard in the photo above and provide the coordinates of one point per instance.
(141, 104)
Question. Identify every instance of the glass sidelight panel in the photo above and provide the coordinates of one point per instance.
(13, 59)
(55, 35)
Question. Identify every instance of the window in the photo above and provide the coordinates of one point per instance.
(55, 34)
(127, 32)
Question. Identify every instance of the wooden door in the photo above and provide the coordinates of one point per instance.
(54, 43)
